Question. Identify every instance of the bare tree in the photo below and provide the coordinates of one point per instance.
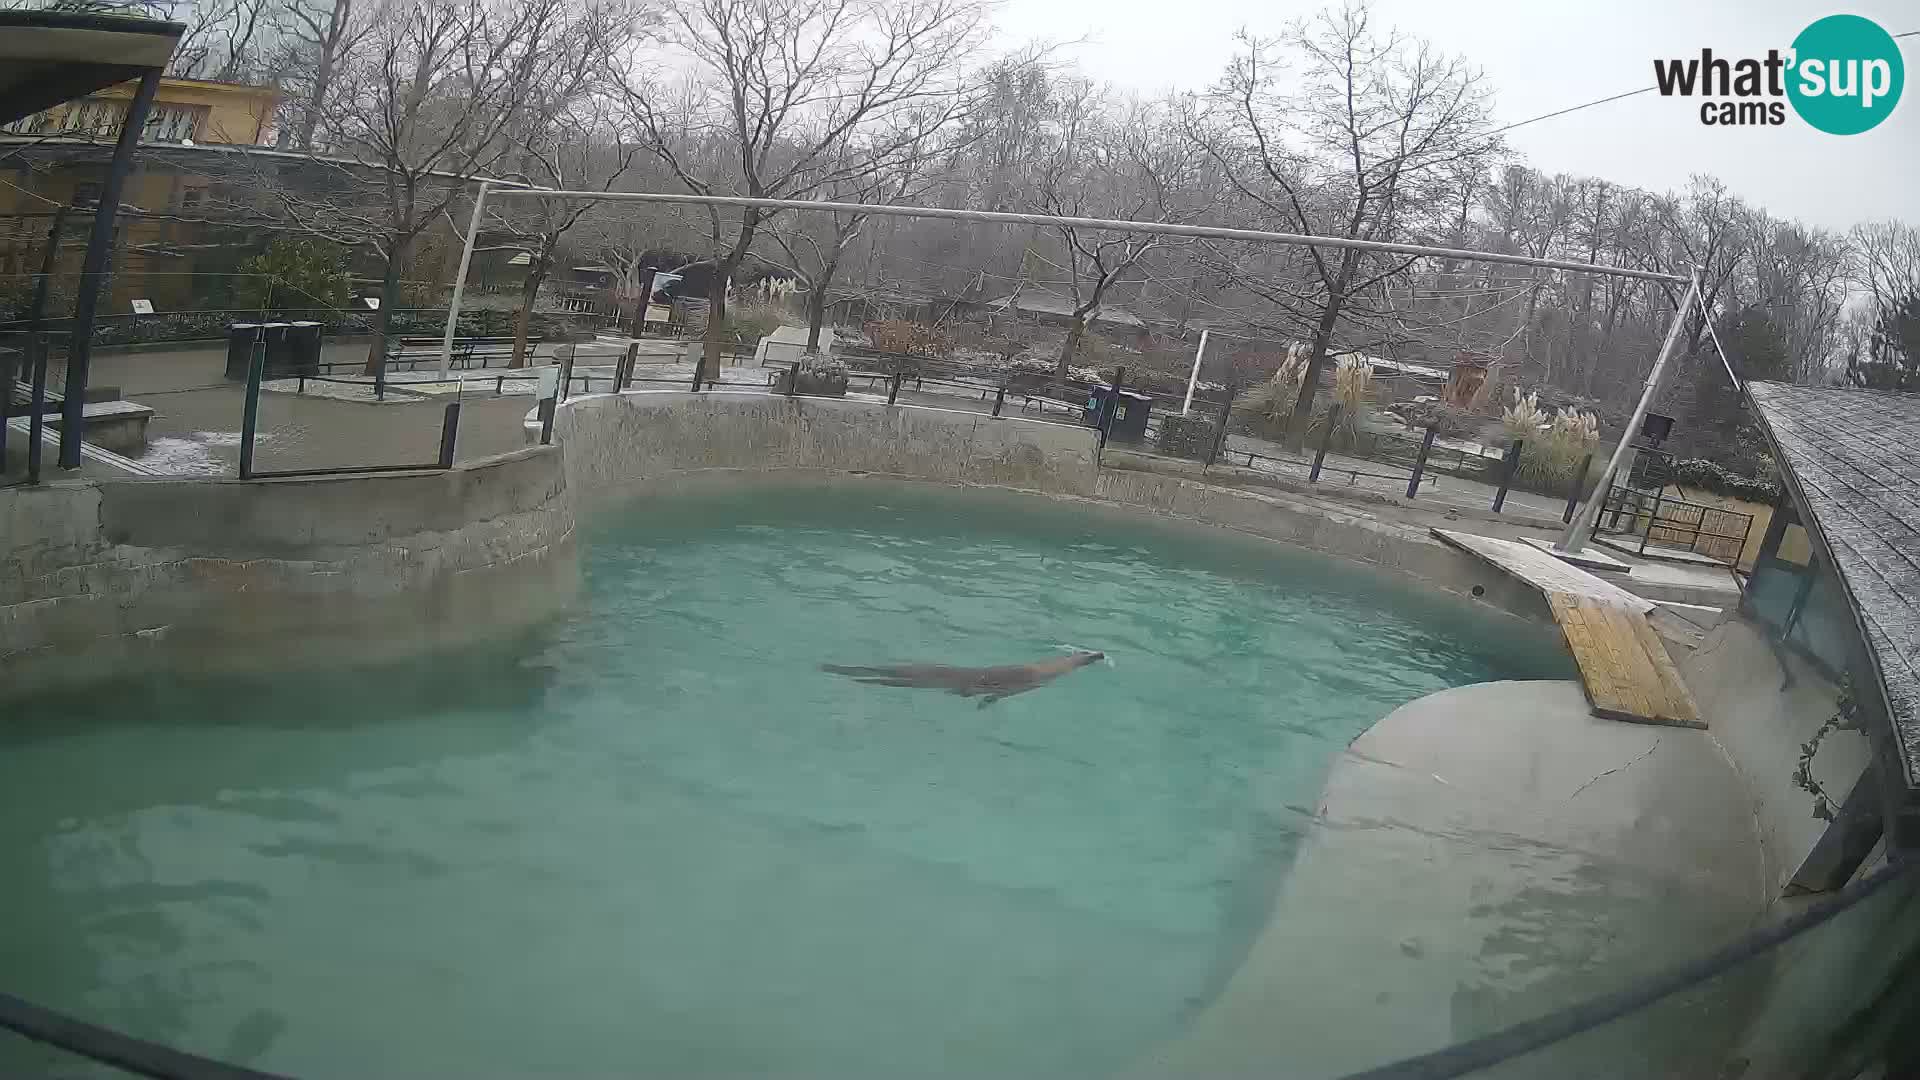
(1886, 262)
(319, 35)
(1097, 161)
(424, 103)
(783, 85)
(566, 137)
(1367, 149)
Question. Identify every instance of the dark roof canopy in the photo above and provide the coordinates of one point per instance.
(47, 57)
(1852, 458)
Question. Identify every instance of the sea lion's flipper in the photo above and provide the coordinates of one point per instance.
(990, 699)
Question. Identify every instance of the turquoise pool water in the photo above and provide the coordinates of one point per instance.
(655, 839)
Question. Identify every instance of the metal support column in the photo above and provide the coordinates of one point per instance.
(1581, 530)
(460, 280)
(94, 267)
(1507, 469)
(1420, 463)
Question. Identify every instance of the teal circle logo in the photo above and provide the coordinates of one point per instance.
(1847, 74)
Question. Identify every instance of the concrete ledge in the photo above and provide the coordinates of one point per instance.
(223, 575)
(1480, 857)
(639, 443)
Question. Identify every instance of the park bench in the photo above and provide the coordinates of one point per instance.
(414, 351)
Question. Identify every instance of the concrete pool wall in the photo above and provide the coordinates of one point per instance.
(637, 443)
(199, 575)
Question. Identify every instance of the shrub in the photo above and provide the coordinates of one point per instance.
(1709, 476)
(294, 272)
(1271, 403)
(747, 323)
(907, 337)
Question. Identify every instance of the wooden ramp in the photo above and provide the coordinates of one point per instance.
(1624, 666)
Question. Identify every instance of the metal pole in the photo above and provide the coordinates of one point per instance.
(999, 399)
(39, 317)
(1326, 440)
(1193, 377)
(449, 432)
(460, 280)
(1652, 516)
(93, 268)
(1160, 228)
(1581, 529)
(1579, 481)
(1420, 462)
(37, 401)
(250, 413)
(8, 379)
(1220, 436)
(1113, 405)
(1511, 466)
(893, 384)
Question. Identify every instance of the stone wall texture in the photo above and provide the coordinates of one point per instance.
(198, 575)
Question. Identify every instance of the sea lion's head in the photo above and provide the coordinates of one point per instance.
(1083, 657)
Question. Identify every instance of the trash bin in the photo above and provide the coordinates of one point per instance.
(240, 338)
(1129, 422)
(303, 350)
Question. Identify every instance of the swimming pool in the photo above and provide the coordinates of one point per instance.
(654, 837)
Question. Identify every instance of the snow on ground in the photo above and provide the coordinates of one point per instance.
(194, 454)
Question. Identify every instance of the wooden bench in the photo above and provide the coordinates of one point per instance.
(414, 351)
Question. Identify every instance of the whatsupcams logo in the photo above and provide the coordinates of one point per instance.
(1843, 75)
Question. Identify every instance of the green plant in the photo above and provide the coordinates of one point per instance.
(748, 322)
(294, 272)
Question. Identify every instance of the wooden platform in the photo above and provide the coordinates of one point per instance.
(1624, 666)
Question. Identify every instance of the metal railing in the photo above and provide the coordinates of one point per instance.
(23, 375)
(1674, 524)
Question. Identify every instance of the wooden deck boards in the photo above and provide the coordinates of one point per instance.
(1624, 666)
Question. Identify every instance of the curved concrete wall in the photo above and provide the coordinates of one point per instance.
(625, 444)
(637, 443)
(200, 574)
(1481, 857)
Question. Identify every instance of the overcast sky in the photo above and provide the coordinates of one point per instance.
(1542, 55)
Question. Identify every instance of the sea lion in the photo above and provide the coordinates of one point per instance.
(992, 683)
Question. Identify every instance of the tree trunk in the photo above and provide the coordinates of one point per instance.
(816, 317)
(310, 116)
(535, 276)
(389, 293)
(1310, 380)
(716, 319)
(1075, 331)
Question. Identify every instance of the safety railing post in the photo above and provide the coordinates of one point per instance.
(1579, 481)
(1112, 408)
(1507, 469)
(549, 391)
(1326, 441)
(999, 399)
(250, 411)
(1220, 430)
(1420, 462)
(624, 373)
(37, 401)
(449, 432)
(9, 366)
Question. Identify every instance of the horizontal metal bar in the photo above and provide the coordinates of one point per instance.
(1164, 228)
